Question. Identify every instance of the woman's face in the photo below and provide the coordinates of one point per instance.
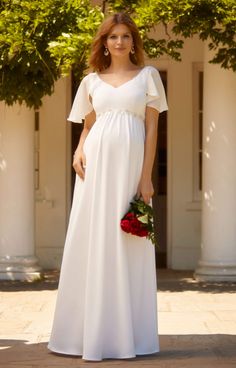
(119, 41)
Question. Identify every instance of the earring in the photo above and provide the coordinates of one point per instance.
(132, 50)
(106, 51)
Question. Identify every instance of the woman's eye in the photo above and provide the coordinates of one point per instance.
(114, 36)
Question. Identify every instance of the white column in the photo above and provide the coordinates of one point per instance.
(17, 259)
(218, 253)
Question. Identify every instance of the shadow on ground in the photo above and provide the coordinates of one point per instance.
(178, 281)
(183, 351)
(167, 280)
(49, 281)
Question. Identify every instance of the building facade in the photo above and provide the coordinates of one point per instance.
(194, 173)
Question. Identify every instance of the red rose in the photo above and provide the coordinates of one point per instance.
(125, 225)
(135, 226)
(129, 216)
(143, 233)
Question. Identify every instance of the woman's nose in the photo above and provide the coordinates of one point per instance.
(119, 40)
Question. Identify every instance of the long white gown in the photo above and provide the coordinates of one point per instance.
(106, 304)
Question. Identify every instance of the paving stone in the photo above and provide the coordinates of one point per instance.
(197, 325)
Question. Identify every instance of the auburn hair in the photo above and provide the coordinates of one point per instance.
(98, 61)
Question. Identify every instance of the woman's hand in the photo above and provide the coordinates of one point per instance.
(79, 163)
(145, 190)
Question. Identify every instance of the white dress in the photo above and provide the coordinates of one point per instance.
(106, 304)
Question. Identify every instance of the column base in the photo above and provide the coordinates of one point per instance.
(215, 272)
(22, 268)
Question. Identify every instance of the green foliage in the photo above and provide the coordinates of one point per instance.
(40, 41)
(29, 34)
(211, 20)
(70, 49)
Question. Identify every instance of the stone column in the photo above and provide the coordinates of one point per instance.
(218, 248)
(17, 259)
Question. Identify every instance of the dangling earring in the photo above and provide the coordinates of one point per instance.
(132, 50)
(106, 51)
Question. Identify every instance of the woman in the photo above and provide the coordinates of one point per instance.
(106, 304)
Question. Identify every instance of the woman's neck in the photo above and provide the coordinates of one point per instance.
(118, 65)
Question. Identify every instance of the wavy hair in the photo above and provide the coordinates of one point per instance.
(98, 61)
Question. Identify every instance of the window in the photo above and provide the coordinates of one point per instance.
(197, 129)
(36, 149)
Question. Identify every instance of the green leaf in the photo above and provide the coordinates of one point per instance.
(143, 219)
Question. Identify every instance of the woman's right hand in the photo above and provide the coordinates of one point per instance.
(79, 163)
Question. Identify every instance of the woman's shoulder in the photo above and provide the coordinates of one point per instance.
(87, 80)
(87, 77)
(90, 75)
(152, 69)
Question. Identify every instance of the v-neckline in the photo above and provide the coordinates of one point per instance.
(121, 85)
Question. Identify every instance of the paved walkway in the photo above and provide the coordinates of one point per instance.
(197, 325)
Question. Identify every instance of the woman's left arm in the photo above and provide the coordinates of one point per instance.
(145, 187)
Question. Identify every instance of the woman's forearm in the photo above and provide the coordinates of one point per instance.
(89, 121)
(151, 127)
(149, 151)
(83, 136)
(79, 160)
(145, 188)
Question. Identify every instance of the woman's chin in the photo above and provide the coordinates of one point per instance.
(120, 53)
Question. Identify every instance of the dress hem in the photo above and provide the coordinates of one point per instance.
(108, 357)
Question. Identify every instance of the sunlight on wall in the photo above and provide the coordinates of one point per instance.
(209, 200)
(212, 127)
(3, 163)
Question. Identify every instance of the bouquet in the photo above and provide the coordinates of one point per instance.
(139, 220)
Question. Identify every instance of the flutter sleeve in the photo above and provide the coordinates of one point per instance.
(156, 96)
(81, 105)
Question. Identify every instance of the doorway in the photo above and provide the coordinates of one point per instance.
(160, 186)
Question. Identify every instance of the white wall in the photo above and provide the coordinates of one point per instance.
(52, 198)
(184, 215)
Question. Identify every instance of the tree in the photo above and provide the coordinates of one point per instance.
(211, 20)
(28, 69)
(40, 41)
